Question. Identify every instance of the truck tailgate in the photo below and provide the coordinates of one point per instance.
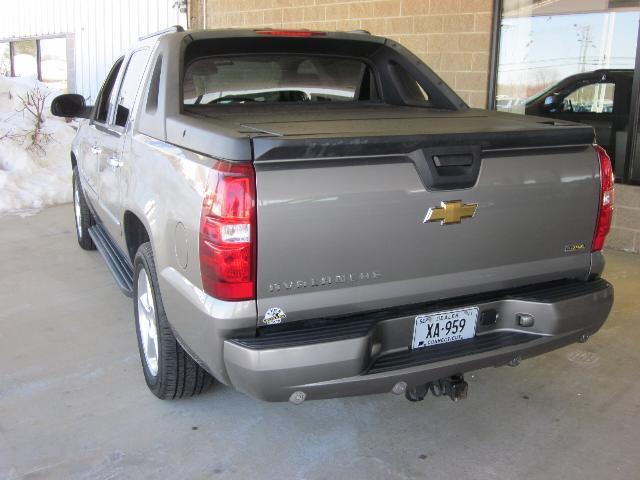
(342, 205)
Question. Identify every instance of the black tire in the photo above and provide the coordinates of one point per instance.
(83, 216)
(178, 375)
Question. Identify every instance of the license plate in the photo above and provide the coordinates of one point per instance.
(444, 327)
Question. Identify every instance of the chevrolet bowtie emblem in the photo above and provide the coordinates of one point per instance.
(450, 212)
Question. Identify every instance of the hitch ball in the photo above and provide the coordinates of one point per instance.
(455, 387)
(515, 361)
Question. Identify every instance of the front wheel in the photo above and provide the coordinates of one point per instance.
(168, 370)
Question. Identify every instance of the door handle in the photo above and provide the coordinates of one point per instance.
(96, 150)
(114, 162)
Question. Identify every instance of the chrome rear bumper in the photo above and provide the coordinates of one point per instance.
(369, 353)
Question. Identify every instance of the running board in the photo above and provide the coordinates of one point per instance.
(119, 265)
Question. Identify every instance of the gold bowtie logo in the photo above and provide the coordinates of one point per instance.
(452, 212)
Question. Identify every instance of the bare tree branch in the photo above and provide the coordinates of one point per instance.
(33, 104)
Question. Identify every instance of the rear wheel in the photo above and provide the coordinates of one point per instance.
(84, 217)
(168, 370)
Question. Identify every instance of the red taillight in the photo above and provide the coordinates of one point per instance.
(291, 33)
(605, 212)
(228, 232)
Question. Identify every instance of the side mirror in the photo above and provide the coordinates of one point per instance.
(70, 105)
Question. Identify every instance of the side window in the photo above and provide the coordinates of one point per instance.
(590, 98)
(154, 87)
(129, 86)
(102, 102)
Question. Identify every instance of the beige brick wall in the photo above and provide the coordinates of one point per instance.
(451, 36)
(625, 232)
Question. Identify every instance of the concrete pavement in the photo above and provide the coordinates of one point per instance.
(73, 402)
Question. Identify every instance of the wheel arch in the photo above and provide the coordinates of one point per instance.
(135, 233)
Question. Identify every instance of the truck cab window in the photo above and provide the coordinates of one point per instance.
(102, 102)
(129, 86)
(590, 98)
(270, 78)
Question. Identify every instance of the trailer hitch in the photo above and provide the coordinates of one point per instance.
(453, 387)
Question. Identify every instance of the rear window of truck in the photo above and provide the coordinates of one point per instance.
(268, 78)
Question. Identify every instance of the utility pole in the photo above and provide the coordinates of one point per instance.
(584, 39)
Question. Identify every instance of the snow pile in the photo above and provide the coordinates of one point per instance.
(31, 177)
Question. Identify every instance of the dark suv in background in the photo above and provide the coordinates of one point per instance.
(600, 98)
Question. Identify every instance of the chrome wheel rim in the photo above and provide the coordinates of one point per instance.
(147, 323)
(76, 209)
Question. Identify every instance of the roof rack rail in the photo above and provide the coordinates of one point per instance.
(173, 29)
(364, 32)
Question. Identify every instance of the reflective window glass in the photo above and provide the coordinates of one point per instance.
(53, 62)
(25, 60)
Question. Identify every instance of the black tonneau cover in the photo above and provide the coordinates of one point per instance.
(300, 131)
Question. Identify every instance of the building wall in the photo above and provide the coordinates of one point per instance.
(99, 30)
(625, 232)
(452, 36)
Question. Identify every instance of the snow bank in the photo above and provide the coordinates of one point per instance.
(30, 180)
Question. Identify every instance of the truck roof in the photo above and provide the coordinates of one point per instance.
(171, 121)
(290, 33)
(199, 34)
(233, 131)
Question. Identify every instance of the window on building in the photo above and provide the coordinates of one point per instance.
(25, 58)
(575, 61)
(53, 62)
(41, 58)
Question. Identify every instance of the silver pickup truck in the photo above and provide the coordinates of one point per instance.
(306, 215)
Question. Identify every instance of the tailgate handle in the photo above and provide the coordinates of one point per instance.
(453, 160)
(448, 167)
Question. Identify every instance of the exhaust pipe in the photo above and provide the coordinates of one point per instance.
(417, 394)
